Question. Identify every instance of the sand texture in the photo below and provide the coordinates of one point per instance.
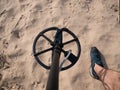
(95, 22)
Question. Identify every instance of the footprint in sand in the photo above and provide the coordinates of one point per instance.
(0, 76)
(15, 34)
(105, 38)
(3, 62)
(12, 83)
(38, 7)
(2, 29)
(86, 4)
(10, 12)
(22, 1)
(5, 43)
(114, 8)
(16, 54)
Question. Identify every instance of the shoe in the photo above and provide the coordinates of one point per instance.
(95, 58)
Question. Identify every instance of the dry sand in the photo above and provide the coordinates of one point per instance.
(93, 21)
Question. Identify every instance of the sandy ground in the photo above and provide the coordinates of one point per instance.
(93, 21)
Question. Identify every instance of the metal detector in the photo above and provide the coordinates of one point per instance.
(57, 48)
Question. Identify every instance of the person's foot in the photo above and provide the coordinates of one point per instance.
(95, 60)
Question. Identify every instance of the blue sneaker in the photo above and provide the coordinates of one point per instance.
(95, 58)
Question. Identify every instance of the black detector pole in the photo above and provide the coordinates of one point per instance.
(53, 78)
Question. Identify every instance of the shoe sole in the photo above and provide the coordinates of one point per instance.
(90, 71)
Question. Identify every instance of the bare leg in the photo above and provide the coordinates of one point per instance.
(109, 78)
